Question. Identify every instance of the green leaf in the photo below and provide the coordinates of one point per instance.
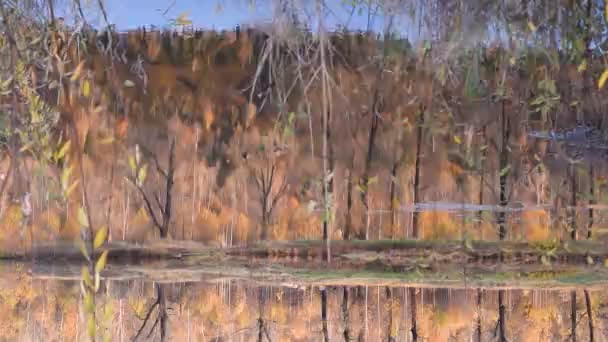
(89, 305)
(101, 262)
(505, 171)
(100, 237)
(82, 218)
(91, 327)
(86, 277)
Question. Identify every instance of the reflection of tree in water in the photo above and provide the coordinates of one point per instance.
(161, 319)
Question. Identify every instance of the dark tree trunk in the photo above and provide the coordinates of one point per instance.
(502, 337)
(591, 202)
(417, 163)
(589, 315)
(478, 328)
(573, 315)
(330, 179)
(504, 172)
(414, 328)
(482, 174)
(349, 204)
(573, 210)
(324, 314)
(346, 332)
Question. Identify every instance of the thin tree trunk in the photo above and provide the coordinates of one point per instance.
(346, 332)
(349, 202)
(482, 174)
(414, 328)
(478, 330)
(573, 315)
(501, 316)
(324, 314)
(389, 333)
(573, 190)
(591, 202)
(589, 315)
(504, 172)
(417, 163)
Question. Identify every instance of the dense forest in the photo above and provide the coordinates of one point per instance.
(284, 133)
(461, 137)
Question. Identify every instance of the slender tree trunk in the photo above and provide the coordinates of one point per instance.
(589, 315)
(346, 332)
(478, 329)
(501, 316)
(349, 203)
(573, 190)
(504, 172)
(324, 314)
(591, 202)
(391, 322)
(414, 328)
(417, 163)
(573, 315)
(392, 196)
(482, 174)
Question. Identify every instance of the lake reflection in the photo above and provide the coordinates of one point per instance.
(242, 310)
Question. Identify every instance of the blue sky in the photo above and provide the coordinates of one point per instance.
(217, 14)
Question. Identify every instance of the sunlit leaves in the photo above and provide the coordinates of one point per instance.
(86, 277)
(82, 218)
(602, 80)
(141, 175)
(183, 19)
(91, 326)
(101, 262)
(100, 237)
(77, 72)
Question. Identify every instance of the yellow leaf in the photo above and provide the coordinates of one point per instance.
(82, 218)
(71, 188)
(183, 19)
(606, 262)
(602, 80)
(589, 260)
(106, 141)
(531, 26)
(100, 237)
(606, 10)
(86, 277)
(91, 327)
(77, 71)
(86, 88)
(583, 66)
(83, 249)
(63, 150)
(141, 175)
(101, 262)
(457, 140)
(132, 164)
(97, 281)
(89, 305)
